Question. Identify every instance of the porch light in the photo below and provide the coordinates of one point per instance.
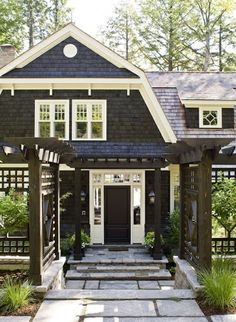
(83, 196)
(151, 197)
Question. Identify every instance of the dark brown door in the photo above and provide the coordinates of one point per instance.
(117, 214)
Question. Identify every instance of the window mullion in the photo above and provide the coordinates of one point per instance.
(89, 121)
(52, 114)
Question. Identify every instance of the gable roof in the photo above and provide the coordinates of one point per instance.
(72, 31)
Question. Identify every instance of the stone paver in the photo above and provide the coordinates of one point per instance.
(167, 288)
(149, 285)
(149, 319)
(167, 283)
(178, 308)
(120, 308)
(59, 311)
(119, 294)
(75, 284)
(15, 318)
(91, 285)
(118, 285)
(224, 318)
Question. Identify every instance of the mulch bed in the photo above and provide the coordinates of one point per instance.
(29, 310)
(211, 311)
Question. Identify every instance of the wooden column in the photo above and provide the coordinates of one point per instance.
(77, 211)
(204, 211)
(182, 210)
(157, 253)
(57, 211)
(35, 219)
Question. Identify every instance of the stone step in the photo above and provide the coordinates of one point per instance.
(142, 275)
(69, 294)
(116, 268)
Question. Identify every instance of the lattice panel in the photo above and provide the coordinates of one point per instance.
(14, 246)
(48, 180)
(224, 246)
(16, 178)
(227, 173)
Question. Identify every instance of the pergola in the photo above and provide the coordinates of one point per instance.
(44, 156)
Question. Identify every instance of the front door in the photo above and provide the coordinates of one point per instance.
(117, 214)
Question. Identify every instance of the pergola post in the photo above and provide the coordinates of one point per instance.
(77, 211)
(204, 211)
(35, 218)
(157, 253)
(182, 210)
(57, 211)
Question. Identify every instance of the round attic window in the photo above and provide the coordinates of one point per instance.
(70, 50)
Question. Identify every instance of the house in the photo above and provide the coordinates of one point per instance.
(129, 129)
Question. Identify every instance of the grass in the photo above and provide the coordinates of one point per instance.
(15, 294)
(219, 285)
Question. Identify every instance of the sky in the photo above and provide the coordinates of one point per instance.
(89, 15)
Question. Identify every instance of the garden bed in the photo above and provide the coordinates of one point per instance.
(212, 311)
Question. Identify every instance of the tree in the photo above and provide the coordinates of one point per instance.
(11, 28)
(118, 34)
(224, 204)
(206, 31)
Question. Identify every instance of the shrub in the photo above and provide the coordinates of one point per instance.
(219, 285)
(15, 294)
(150, 239)
(14, 213)
(67, 244)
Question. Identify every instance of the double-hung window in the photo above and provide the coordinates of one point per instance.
(89, 120)
(52, 119)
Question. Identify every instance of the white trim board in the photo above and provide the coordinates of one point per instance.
(71, 31)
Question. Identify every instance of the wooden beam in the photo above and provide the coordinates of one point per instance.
(204, 211)
(35, 218)
(78, 213)
(157, 254)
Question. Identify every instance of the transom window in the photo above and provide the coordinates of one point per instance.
(89, 120)
(52, 119)
(210, 117)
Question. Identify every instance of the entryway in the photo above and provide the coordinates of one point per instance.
(117, 214)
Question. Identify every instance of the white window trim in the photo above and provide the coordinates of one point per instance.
(104, 122)
(210, 108)
(52, 117)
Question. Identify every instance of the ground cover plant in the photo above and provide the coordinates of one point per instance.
(219, 286)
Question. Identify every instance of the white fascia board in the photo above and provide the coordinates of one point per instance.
(208, 103)
(56, 38)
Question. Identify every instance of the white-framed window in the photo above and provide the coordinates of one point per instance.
(210, 117)
(52, 119)
(89, 120)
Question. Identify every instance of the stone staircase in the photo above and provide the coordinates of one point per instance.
(118, 267)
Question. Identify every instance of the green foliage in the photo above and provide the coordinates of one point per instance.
(67, 244)
(63, 198)
(224, 203)
(15, 294)
(150, 239)
(14, 213)
(219, 285)
(172, 239)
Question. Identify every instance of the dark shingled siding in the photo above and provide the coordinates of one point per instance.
(86, 63)
(128, 118)
(192, 117)
(227, 118)
(165, 201)
(68, 216)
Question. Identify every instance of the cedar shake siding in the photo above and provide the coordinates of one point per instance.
(165, 201)
(128, 118)
(68, 216)
(227, 118)
(54, 63)
(192, 117)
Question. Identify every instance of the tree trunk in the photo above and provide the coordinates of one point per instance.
(220, 48)
(127, 36)
(30, 23)
(207, 53)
